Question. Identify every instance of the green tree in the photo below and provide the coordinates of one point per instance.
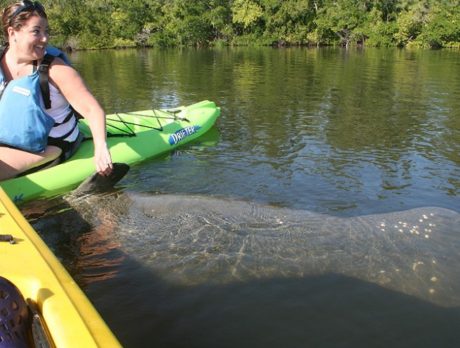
(184, 23)
(442, 26)
(289, 21)
(344, 18)
(219, 16)
(246, 12)
(410, 22)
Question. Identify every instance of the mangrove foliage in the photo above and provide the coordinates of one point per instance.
(82, 24)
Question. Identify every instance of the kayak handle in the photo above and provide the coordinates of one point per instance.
(40, 333)
(7, 238)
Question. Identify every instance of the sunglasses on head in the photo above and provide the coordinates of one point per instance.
(26, 6)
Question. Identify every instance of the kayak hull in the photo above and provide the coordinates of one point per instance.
(135, 136)
(71, 319)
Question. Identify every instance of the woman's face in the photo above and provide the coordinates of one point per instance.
(31, 39)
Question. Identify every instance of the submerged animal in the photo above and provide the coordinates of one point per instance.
(193, 240)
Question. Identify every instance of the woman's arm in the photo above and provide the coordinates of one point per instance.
(74, 89)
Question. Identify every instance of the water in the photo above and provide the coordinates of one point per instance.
(321, 211)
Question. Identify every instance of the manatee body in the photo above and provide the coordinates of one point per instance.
(193, 240)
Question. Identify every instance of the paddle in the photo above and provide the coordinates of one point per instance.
(98, 183)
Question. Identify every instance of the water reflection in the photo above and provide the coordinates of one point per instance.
(99, 255)
(83, 240)
(377, 123)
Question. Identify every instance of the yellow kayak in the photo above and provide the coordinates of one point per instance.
(54, 298)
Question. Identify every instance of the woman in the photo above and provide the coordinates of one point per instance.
(25, 27)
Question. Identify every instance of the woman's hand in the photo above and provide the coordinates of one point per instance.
(103, 160)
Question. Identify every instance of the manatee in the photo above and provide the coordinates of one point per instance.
(193, 240)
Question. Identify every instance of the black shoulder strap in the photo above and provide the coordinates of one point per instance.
(43, 71)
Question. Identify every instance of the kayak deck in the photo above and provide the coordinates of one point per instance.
(69, 316)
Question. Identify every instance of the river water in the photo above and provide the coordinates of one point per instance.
(321, 211)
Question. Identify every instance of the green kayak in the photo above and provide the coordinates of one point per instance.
(132, 137)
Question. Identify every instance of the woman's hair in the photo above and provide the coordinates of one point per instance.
(16, 14)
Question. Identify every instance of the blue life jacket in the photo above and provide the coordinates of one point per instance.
(24, 124)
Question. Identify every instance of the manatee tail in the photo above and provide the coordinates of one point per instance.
(99, 183)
